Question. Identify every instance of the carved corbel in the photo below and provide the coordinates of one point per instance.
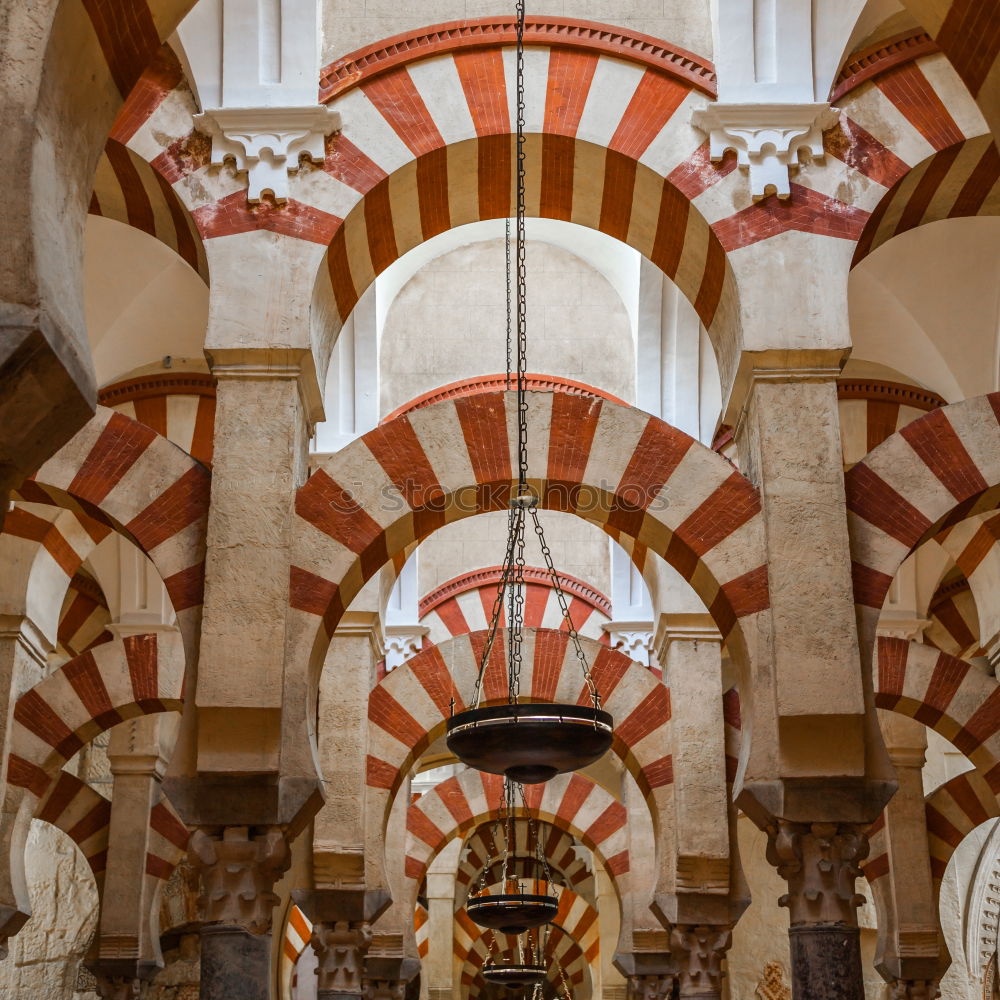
(699, 951)
(650, 987)
(767, 139)
(914, 989)
(340, 951)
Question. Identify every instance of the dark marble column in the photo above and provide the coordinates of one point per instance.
(820, 862)
(239, 867)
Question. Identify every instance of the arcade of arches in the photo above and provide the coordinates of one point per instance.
(257, 449)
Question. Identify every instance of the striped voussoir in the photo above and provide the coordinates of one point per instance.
(954, 619)
(294, 941)
(872, 410)
(84, 617)
(474, 947)
(118, 680)
(733, 722)
(178, 405)
(409, 708)
(123, 473)
(932, 474)
(168, 838)
(83, 814)
(465, 604)
(968, 32)
(459, 805)
(483, 852)
(953, 697)
(953, 811)
(422, 930)
(628, 472)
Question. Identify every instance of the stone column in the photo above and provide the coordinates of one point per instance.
(126, 948)
(911, 953)
(817, 774)
(340, 948)
(437, 967)
(239, 867)
(23, 657)
(820, 862)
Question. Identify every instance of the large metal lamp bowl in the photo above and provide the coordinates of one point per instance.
(530, 742)
(512, 913)
(513, 976)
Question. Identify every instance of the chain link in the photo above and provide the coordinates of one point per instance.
(564, 608)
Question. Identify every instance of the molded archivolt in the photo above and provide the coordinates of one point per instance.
(618, 467)
(465, 604)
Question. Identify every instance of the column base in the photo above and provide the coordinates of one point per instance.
(826, 962)
(235, 964)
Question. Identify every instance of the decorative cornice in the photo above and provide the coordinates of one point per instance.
(490, 576)
(488, 32)
(879, 391)
(867, 64)
(160, 384)
(498, 383)
(946, 592)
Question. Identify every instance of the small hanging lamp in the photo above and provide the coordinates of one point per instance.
(529, 969)
(513, 912)
(528, 742)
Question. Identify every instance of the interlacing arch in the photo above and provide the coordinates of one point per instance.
(951, 696)
(124, 475)
(408, 710)
(615, 466)
(933, 473)
(483, 852)
(461, 804)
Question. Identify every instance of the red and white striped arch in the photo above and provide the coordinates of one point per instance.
(460, 804)
(118, 680)
(178, 405)
(935, 472)
(954, 619)
(473, 947)
(481, 853)
(295, 940)
(84, 617)
(951, 696)
(465, 604)
(872, 410)
(409, 708)
(618, 467)
(124, 474)
(969, 34)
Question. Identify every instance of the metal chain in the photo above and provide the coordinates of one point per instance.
(509, 316)
(533, 833)
(564, 608)
(562, 981)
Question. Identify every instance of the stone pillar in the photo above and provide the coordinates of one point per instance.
(23, 656)
(239, 867)
(340, 949)
(126, 948)
(911, 954)
(817, 774)
(820, 862)
(437, 967)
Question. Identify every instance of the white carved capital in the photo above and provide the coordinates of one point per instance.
(634, 639)
(267, 143)
(402, 642)
(767, 139)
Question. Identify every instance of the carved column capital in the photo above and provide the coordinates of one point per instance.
(340, 951)
(820, 862)
(655, 987)
(914, 989)
(384, 989)
(239, 867)
(110, 987)
(699, 950)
